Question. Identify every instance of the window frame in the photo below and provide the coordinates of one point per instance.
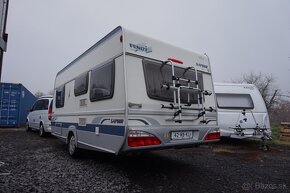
(235, 107)
(38, 103)
(168, 99)
(112, 88)
(80, 78)
(60, 89)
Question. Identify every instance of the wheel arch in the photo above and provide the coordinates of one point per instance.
(72, 131)
(40, 123)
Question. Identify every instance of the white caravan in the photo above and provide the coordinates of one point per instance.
(242, 111)
(129, 92)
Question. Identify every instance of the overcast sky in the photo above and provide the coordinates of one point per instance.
(239, 36)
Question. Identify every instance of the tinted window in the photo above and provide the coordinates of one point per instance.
(41, 105)
(102, 82)
(234, 101)
(81, 84)
(158, 74)
(59, 96)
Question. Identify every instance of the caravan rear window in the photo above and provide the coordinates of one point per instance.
(158, 74)
(102, 82)
(234, 101)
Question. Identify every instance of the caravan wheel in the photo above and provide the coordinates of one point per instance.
(72, 148)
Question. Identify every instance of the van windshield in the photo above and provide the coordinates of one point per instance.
(158, 74)
(234, 101)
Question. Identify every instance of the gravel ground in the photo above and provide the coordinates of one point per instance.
(29, 163)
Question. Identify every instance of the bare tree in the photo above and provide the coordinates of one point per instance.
(38, 94)
(265, 84)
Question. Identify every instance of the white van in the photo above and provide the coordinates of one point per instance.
(129, 92)
(242, 111)
(39, 116)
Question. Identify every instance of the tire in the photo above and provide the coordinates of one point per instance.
(27, 128)
(71, 147)
(41, 131)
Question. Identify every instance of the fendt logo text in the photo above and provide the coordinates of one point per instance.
(142, 47)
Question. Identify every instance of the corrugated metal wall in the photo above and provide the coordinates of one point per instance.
(15, 101)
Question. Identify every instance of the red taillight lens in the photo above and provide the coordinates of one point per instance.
(212, 136)
(140, 138)
(49, 113)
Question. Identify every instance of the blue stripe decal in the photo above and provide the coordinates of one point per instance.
(104, 129)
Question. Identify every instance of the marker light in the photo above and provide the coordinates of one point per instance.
(141, 138)
(213, 135)
(175, 60)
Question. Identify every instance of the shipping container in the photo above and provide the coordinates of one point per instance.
(15, 102)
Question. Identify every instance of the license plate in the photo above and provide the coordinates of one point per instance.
(176, 135)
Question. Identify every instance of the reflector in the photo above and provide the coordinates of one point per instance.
(212, 136)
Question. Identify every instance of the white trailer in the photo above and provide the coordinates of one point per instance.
(242, 112)
(129, 92)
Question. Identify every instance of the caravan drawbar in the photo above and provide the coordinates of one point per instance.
(129, 92)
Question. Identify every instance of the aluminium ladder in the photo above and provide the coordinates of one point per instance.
(176, 87)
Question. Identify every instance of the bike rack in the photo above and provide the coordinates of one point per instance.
(176, 87)
(257, 130)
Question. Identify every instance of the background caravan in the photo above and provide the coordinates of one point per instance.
(129, 92)
(242, 111)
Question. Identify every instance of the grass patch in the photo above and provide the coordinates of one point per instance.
(223, 150)
(276, 136)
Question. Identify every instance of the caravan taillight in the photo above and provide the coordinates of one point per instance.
(213, 135)
(141, 138)
(175, 60)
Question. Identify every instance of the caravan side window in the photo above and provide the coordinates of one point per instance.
(81, 84)
(102, 82)
(234, 101)
(59, 95)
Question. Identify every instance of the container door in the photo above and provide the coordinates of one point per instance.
(9, 105)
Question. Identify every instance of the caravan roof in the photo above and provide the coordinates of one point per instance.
(132, 45)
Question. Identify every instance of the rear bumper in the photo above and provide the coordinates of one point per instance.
(249, 133)
(164, 135)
